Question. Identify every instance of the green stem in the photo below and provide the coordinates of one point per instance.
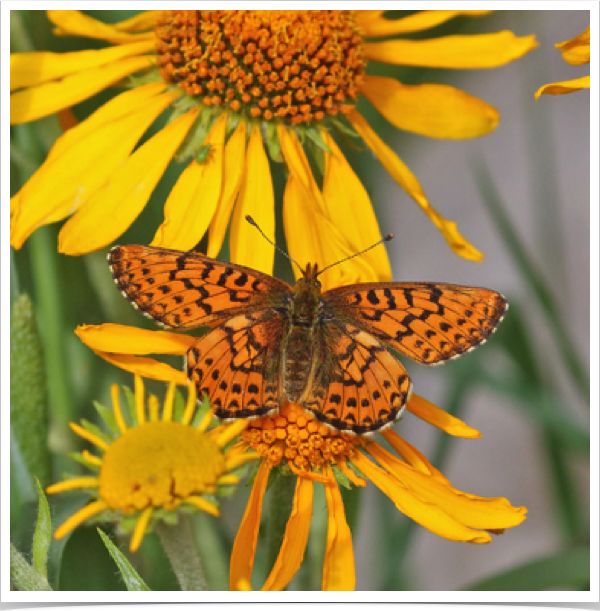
(44, 262)
(179, 544)
(281, 497)
(23, 575)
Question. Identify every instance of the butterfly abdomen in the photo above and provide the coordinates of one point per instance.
(298, 357)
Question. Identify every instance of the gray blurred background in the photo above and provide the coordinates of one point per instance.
(538, 156)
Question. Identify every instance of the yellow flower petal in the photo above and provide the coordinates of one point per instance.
(563, 87)
(437, 417)
(300, 216)
(35, 102)
(80, 517)
(35, 68)
(145, 20)
(256, 199)
(577, 50)
(110, 211)
(429, 515)
(80, 163)
(348, 203)
(75, 23)
(339, 573)
(408, 181)
(145, 367)
(194, 198)
(472, 511)
(131, 340)
(234, 161)
(244, 546)
(432, 110)
(303, 209)
(295, 538)
(376, 25)
(412, 456)
(470, 51)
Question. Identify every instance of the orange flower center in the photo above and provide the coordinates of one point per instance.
(295, 436)
(296, 65)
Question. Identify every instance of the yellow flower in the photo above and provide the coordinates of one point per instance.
(576, 52)
(153, 466)
(236, 82)
(296, 443)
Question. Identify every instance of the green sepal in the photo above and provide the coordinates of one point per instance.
(197, 134)
(130, 398)
(80, 458)
(178, 406)
(203, 153)
(343, 128)
(108, 417)
(340, 477)
(356, 470)
(133, 581)
(313, 133)
(92, 428)
(272, 141)
(201, 410)
(152, 75)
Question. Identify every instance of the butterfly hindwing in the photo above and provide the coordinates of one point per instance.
(237, 365)
(185, 289)
(429, 322)
(358, 386)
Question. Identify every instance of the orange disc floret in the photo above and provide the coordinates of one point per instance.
(296, 437)
(295, 65)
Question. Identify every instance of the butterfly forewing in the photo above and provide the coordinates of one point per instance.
(186, 290)
(429, 322)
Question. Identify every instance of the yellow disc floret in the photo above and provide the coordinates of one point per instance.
(159, 465)
(298, 66)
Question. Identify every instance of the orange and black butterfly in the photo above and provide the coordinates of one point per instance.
(328, 351)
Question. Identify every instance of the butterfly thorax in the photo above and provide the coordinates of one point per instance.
(299, 340)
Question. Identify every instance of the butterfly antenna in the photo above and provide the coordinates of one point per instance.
(388, 237)
(253, 222)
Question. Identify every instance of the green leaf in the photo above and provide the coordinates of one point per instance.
(42, 535)
(130, 398)
(568, 569)
(133, 581)
(28, 393)
(109, 418)
(92, 428)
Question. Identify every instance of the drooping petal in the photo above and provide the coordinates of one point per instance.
(145, 367)
(470, 51)
(563, 87)
(439, 418)
(36, 102)
(80, 163)
(439, 111)
(123, 339)
(244, 546)
(194, 198)
(412, 456)
(339, 573)
(234, 161)
(429, 515)
(295, 538)
(577, 50)
(374, 24)
(256, 199)
(408, 181)
(110, 211)
(75, 23)
(347, 202)
(472, 511)
(37, 67)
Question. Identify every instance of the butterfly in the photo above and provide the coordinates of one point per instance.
(328, 351)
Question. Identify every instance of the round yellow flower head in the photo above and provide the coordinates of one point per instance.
(156, 465)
